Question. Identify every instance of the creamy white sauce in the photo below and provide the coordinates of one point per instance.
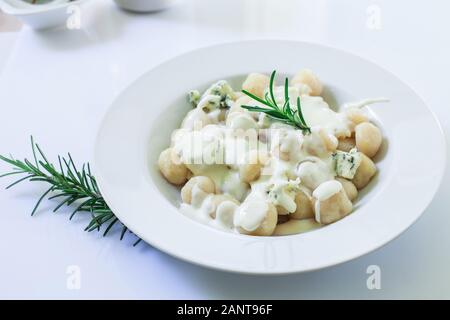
(327, 189)
(225, 214)
(363, 103)
(282, 193)
(195, 119)
(250, 215)
(241, 121)
(199, 213)
(313, 173)
(323, 192)
(315, 110)
(215, 115)
(233, 185)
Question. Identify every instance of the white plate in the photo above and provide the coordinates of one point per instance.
(138, 126)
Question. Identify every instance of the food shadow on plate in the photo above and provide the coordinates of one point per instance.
(167, 121)
(329, 96)
(159, 138)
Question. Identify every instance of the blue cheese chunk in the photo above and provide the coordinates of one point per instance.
(220, 88)
(219, 95)
(209, 103)
(282, 193)
(346, 163)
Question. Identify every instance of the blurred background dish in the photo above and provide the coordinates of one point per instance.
(41, 15)
(139, 123)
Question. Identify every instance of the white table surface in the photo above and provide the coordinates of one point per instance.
(57, 85)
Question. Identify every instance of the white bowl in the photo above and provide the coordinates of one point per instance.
(145, 5)
(39, 16)
(138, 125)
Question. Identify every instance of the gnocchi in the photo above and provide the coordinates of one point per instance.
(266, 224)
(295, 226)
(349, 188)
(364, 173)
(199, 184)
(304, 209)
(251, 169)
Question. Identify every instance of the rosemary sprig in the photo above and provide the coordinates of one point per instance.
(76, 187)
(284, 114)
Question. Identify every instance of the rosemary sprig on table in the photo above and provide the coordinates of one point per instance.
(77, 188)
(285, 114)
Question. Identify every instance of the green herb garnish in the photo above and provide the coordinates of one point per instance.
(285, 114)
(77, 188)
